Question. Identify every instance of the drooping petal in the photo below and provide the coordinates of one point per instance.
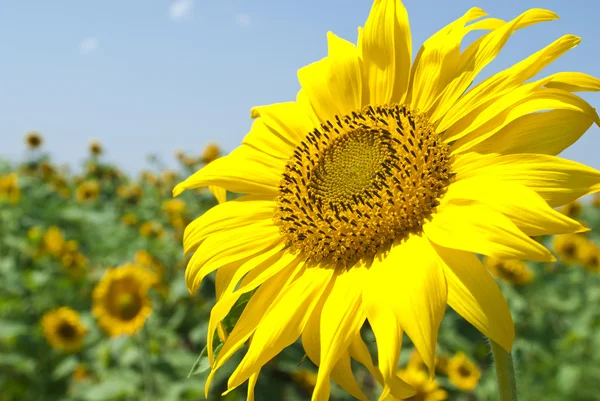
(412, 282)
(386, 49)
(473, 294)
(341, 317)
(475, 227)
(482, 52)
(245, 171)
(520, 204)
(556, 180)
(269, 141)
(574, 82)
(502, 82)
(289, 119)
(435, 63)
(333, 85)
(283, 321)
(226, 216)
(546, 133)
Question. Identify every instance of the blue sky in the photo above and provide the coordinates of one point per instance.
(156, 76)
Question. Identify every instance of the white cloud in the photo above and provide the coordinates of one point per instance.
(243, 19)
(180, 9)
(88, 45)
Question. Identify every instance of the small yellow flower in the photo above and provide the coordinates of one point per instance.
(80, 372)
(53, 241)
(95, 148)
(572, 209)
(589, 256)
(596, 200)
(179, 155)
(9, 188)
(169, 178)
(63, 329)
(129, 219)
(211, 152)
(426, 388)
(130, 193)
(120, 300)
(149, 178)
(567, 247)
(87, 191)
(47, 171)
(305, 379)
(144, 258)
(415, 361)
(33, 139)
(463, 372)
(514, 271)
(173, 206)
(151, 229)
(72, 260)
(441, 364)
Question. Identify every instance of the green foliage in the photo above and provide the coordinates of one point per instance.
(556, 315)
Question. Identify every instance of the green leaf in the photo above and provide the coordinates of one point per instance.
(65, 368)
(201, 365)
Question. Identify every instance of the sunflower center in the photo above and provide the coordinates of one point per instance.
(129, 305)
(356, 185)
(464, 371)
(67, 331)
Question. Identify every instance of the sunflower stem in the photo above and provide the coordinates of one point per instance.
(146, 365)
(505, 372)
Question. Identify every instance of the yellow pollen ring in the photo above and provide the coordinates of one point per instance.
(360, 182)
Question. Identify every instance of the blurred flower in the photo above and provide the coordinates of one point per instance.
(33, 140)
(589, 256)
(151, 229)
(80, 372)
(47, 171)
(72, 260)
(120, 300)
(149, 177)
(596, 200)
(87, 191)
(61, 186)
(169, 178)
(53, 241)
(130, 193)
(463, 372)
(427, 389)
(441, 364)
(129, 219)
(179, 155)
(305, 379)
(144, 258)
(416, 361)
(211, 152)
(572, 209)
(567, 246)
(95, 148)
(173, 207)
(63, 329)
(9, 188)
(514, 271)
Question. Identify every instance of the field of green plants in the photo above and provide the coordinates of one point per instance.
(94, 307)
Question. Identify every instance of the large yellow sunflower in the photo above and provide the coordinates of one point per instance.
(369, 196)
(120, 300)
(63, 329)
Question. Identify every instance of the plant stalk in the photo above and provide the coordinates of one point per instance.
(505, 373)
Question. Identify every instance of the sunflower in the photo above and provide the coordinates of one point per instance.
(596, 200)
(427, 389)
(87, 191)
(572, 209)
(129, 219)
(9, 188)
(589, 256)
(63, 329)
(130, 193)
(441, 364)
(95, 148)
(33, 140)
(151, 229)
(463, 372)
(53, 241)
(567, 247)
(514, 271)
(368, 197)
(120, 300)
(211, 153)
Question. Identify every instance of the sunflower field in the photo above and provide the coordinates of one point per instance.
(94, 306)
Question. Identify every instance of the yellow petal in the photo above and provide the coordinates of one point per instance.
(546, 133)
(266, 140)
(226, 216)
(245, 171)
(475, 227)
(219, 193)
(497, 116)
(412, 282)
(502, 82)
(250, 318)
(341, 317)
(226, 247)
(251, 385)
(474, 295)
(521, 205)
(282, 322)
(289, 119)
(385, 46)
(556, 180)
(574, 82)
(436, 61)
(482, 52)
(333, 85)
